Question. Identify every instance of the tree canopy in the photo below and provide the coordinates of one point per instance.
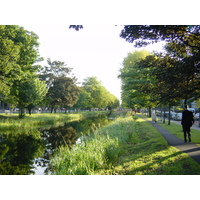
(95, 95)
(62, 88)
(18, 57)
(177, 72)
(137, 82)
(18, 53)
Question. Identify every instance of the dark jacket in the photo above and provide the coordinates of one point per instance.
(187, 118)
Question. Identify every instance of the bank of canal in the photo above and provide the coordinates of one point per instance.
(29, 150)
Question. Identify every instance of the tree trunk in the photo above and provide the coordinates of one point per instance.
(21, 113)
(149, 111)
(29, 111)
(52, 109)
(169, 114)
(164, 116)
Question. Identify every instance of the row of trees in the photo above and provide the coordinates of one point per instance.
(161, 78)
(94, 95)
(25, 84)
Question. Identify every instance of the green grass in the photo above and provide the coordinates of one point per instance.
(126, 146)
(12, 122)
(177, 131)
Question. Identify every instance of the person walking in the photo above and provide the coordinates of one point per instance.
(154, 117)
(186, 122)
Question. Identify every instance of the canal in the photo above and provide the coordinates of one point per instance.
(28, 152)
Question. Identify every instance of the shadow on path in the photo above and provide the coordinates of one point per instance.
(191, 149)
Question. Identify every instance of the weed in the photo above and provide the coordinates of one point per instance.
(126, 146)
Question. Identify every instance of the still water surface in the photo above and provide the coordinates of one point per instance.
(29, 151)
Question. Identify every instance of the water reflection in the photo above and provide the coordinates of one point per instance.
(18, 150)
(55, 137)
(26, 151)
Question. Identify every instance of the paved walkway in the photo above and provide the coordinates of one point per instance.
(191, 149)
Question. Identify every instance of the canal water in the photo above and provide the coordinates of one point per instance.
(29, 151)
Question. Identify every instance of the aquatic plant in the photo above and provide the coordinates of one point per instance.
(126, 146)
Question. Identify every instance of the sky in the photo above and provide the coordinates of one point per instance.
(97, 50)
(92, 51)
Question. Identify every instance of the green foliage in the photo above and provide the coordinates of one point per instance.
(63, 90)
(53, 70)
(136, 81)
(126, 146)
(38, 120)
(178, 131)
(94, 95)
(17, 58)
(19, 150)
(18, 53)
(98, 150)
(27, 94)
(143, 35)
(177, 71)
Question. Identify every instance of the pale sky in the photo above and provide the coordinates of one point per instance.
(92, 51)
(97, 50)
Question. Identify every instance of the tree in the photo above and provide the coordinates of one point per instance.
(113, 102)
(27, 94)
(162, 86)
(185, 71)
(95, 95)
(38, 93)
(136, 81)
(63, 91)
(18, 57)
(53, 70)
(76, 27)
(18, 53)
(143, 35)
(84, 99)
(183, 45)
(95, 89)
(9, 53)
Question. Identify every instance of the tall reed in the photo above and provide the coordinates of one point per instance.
(99, 150)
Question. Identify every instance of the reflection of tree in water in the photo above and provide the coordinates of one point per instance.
(55, 137)
(18, 150)
(58, 136)
(21, 150)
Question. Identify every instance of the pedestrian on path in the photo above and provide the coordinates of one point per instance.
(186, 122)
(154, 117)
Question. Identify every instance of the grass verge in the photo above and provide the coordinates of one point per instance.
(129, 145)
(178, 132)
(37, 120)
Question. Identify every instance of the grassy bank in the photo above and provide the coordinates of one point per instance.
(128, 145)
(37, 120)
(178, 132)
